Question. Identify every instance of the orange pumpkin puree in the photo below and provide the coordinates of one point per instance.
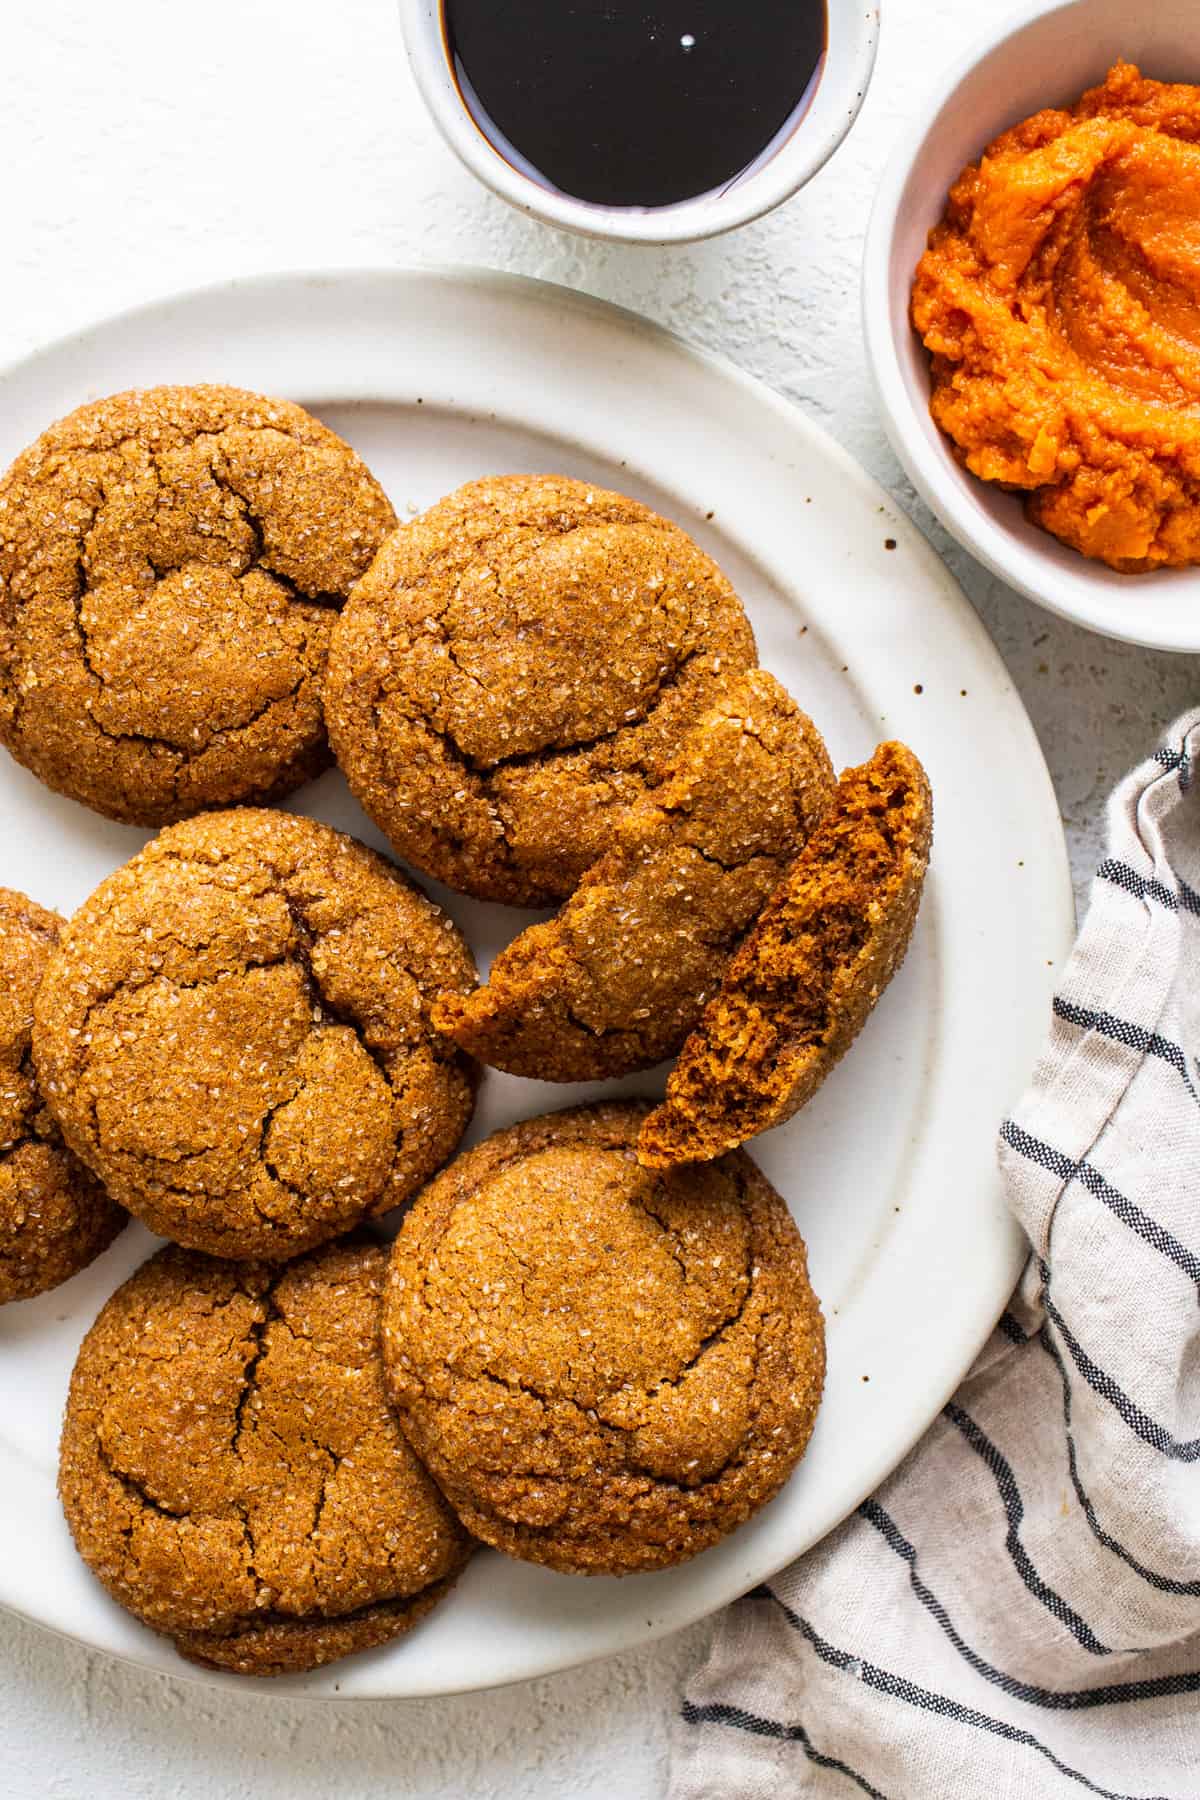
(1060, 300)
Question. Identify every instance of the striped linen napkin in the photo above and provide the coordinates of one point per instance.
(1016, 1614)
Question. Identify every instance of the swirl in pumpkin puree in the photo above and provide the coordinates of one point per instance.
(1059, 299)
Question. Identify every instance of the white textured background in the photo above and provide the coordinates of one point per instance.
(146, 146)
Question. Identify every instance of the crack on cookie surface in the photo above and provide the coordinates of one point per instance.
(634, 1447)
(276, 1645)
(95, 519)
(477, 662)
(54, 1217)
(230, 1469)
(237, 1034)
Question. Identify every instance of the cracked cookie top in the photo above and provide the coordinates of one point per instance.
(619, 976)
(605, 1369)
(230, 1470)
(517, 666)
(234, 1034)
(171, 562)
(54, 1218)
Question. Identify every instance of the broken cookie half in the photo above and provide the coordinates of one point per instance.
(805, 979)
(618, 977)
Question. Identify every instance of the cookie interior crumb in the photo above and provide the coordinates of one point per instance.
(55, 1218)
(800, 988)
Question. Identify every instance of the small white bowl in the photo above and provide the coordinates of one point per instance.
(772, 178)
(1044, 58)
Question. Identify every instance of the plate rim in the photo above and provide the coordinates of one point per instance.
(1010, 1247)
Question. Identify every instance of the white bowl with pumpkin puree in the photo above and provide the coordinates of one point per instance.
(1032, 311)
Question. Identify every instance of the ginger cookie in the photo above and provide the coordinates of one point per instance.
(801, 986)
(235, 1036)
(54, 1217)
(616, 980)
(519, 665)
(230, 1470)
(604, 1368)
(171, 562)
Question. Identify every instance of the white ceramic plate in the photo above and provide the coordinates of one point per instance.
(1043, 57)
(436, 377)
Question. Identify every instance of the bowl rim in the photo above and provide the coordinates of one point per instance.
(787, 170)
(935, 476)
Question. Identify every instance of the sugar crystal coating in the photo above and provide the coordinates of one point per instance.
(605, 1369)
(171, 561)
(800, 988)
(235, 1034)
(516, 668)
(618, 977)
(55, 1218)
(230, 1470)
